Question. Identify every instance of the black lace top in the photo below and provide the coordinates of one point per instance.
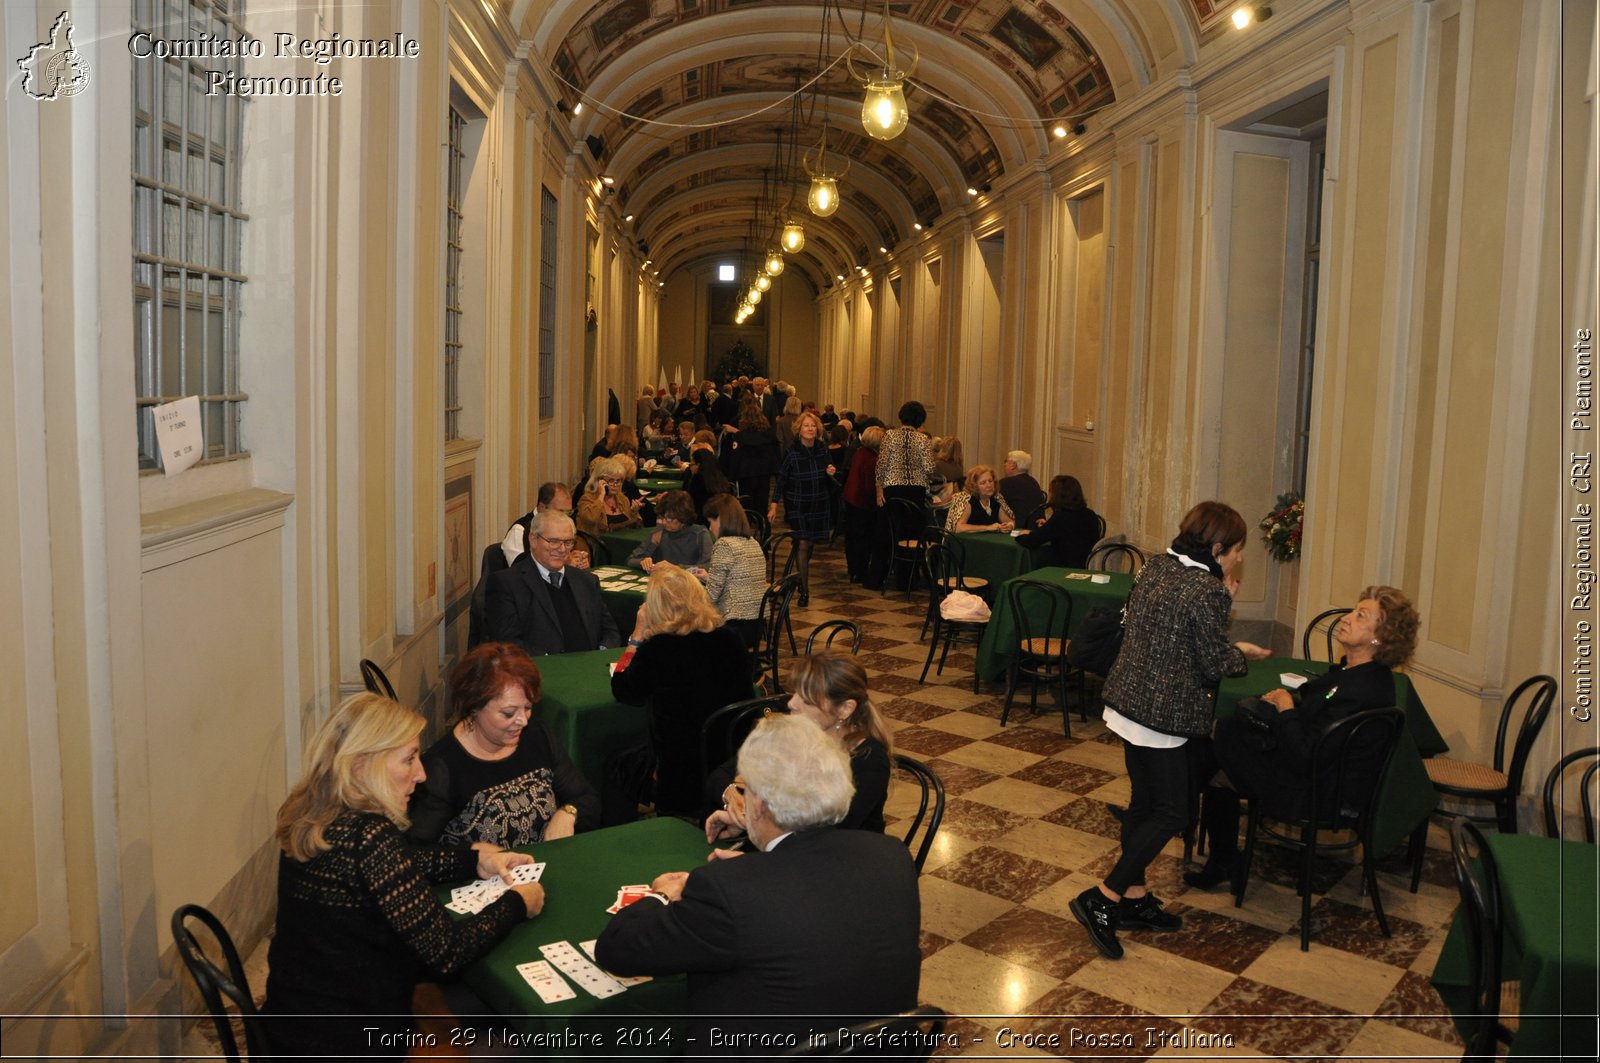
(358, 927)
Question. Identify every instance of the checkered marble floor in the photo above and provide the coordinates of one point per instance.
(1027, 828)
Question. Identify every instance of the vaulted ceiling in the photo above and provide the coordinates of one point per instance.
(691, 105)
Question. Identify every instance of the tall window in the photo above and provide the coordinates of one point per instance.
(1308, 316)
(454, 192)
(547, 303)
(187, 227)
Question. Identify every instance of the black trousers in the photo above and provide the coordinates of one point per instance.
(1157, 810)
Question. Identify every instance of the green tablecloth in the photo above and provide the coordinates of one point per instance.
(999, 643)
(622, 589)
(1405, 796)
(666, 474)
(1550, 941)
(993, 556)
(581, 877)
(619, 544)
(655, 483)
(578, 705)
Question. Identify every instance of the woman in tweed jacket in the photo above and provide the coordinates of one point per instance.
(1160, 693)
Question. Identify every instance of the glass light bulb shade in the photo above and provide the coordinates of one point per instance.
(824, 197)
(883, 111)
(754, 295)
(774, 262)
(794, 237)
(745, 308)
(763, 283)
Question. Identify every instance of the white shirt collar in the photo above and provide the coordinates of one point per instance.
(773, 844)
(1187, 562)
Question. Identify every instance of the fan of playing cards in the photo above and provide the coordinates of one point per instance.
(474, 897)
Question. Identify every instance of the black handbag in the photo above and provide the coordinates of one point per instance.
(1099, 640)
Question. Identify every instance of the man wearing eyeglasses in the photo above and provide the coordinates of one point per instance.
(550, 606)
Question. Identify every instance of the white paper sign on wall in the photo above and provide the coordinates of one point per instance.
(178, 434)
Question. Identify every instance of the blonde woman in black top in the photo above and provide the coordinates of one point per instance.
(358, 925)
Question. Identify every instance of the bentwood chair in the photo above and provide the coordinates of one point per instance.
(1116, 557)
(1043, 615)
(1324, 623)
(1552, 785)
(1491, 1018)
(953, 579)
(832, 631)
(216, 984)
(930, 805)
(725, 729)
(773, 622)
(783, 545)
(1347, 761)
(376, 682)
(914, 1035)
(760, 527)
(494, 560)
(1500, 785)
(908, 540)
(945, 579)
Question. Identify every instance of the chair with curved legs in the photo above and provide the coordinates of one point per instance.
(1332, 805)
(217, 985)
(374, 679)
(830, 632)
(945, 578)
(773, 622)
(1324, 622)
(907, 541)
(598, 554)
(1552, 784)
(760, 527)
(1478, 879)
(953, 579)
(931, 805)
(725, 729)
(1043, 615)
(1116, 557)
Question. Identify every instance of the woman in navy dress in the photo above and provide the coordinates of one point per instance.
(805, 483)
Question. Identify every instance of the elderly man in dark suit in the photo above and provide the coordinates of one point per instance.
(813, 925)
(549, 606)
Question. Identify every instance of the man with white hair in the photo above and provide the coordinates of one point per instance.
(1018, 487)
(812, 929)
(549, 606)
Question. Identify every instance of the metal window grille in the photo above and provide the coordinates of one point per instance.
(188, 227)
(547, 303)
(452, 277)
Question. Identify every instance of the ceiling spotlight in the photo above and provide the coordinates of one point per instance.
(648, 261)
(794, 237)
(839, 277)
(1245, 14)
(607, 179)
(971, 191)
(882, 250)
(1060, 131)
(917, 225)
(627, 217)
(577, 108)
(774, 265)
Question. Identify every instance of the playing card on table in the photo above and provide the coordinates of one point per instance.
(542, 979)
(576, 966)
(627, 895)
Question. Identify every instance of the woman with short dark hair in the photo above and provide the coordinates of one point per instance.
(676, 538)
(736, 577)
(1072, 528)
(1160, 694)
(905, 468)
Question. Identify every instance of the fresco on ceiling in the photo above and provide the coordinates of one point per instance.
(1030, 40)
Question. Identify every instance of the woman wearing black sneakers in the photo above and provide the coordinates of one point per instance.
(1160, 693)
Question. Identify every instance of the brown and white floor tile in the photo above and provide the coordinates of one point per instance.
(1028, 826)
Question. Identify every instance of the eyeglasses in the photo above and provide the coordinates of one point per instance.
(559, 544)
